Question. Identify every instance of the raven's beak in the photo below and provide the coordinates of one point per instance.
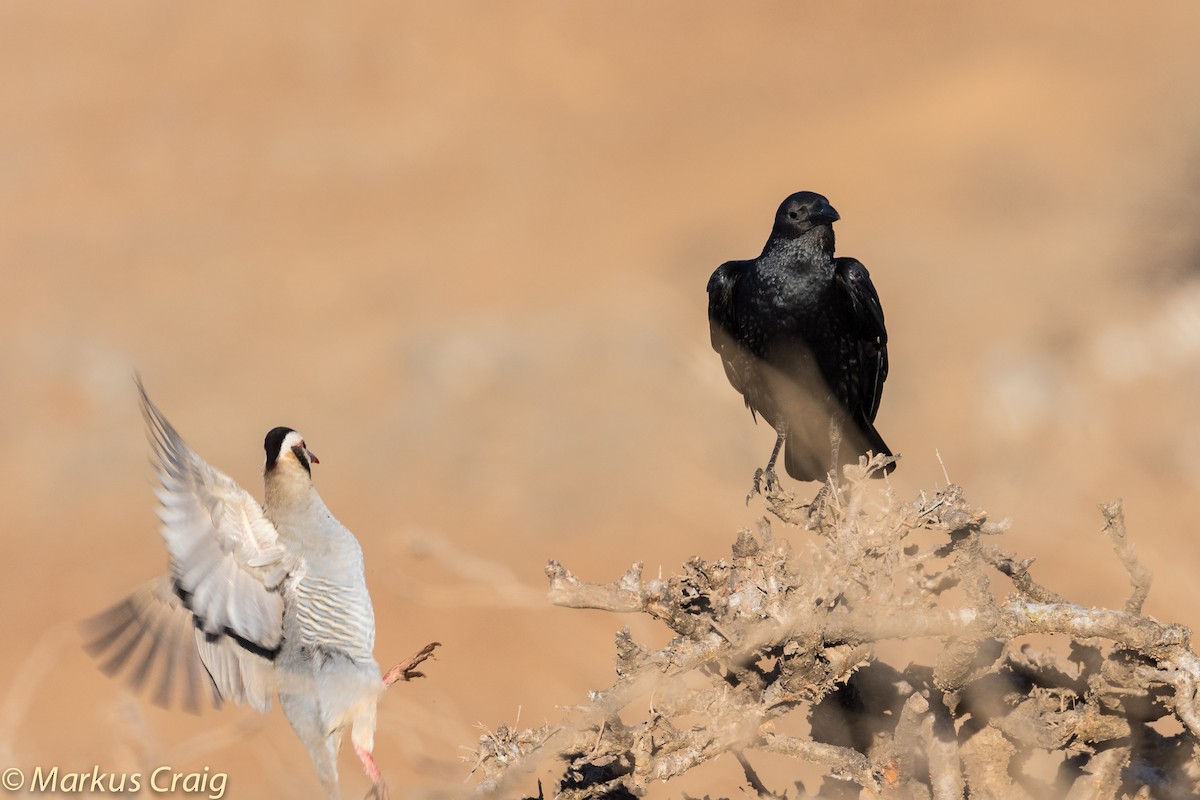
(824, 214)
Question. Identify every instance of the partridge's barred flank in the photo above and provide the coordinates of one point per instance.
(801, 336)
(260, 600)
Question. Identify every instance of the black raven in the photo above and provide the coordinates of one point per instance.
(801, 336)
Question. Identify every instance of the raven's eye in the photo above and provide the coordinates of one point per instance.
(793, 214)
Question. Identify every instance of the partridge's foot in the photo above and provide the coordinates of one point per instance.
(406, 670)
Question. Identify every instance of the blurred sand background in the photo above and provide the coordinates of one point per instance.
(463, 248)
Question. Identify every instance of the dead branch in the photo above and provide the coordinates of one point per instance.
(769, 632)
(627, 594)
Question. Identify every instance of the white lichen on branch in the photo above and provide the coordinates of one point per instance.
(770, 632)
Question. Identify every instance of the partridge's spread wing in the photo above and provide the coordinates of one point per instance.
(153, 636)
(227, 562)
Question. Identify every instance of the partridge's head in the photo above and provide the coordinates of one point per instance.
(286, 447)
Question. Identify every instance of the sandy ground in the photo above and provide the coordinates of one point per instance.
(463, 247)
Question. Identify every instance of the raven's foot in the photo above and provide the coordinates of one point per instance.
(767, 474)
(817, 507)
(763, 479)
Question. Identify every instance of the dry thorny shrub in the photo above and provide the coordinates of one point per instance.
(772, 632)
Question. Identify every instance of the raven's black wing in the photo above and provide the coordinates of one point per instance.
(867, 342)
(727, 331)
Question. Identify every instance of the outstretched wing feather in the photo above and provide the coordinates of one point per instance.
(226, 557)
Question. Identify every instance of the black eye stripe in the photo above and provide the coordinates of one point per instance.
(302, 457)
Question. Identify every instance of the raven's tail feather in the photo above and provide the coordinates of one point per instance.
(802, 461)
(806, 462)
(877, 446)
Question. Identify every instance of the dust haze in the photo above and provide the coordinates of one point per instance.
(463, 248)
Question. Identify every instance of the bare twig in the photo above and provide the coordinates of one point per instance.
(1139, 575)
(842, 762)
(1018, 571)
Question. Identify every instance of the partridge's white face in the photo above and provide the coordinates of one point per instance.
(294, 447)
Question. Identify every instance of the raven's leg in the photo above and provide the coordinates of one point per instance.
(835, 446)
(816, 507)
(769, 472)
